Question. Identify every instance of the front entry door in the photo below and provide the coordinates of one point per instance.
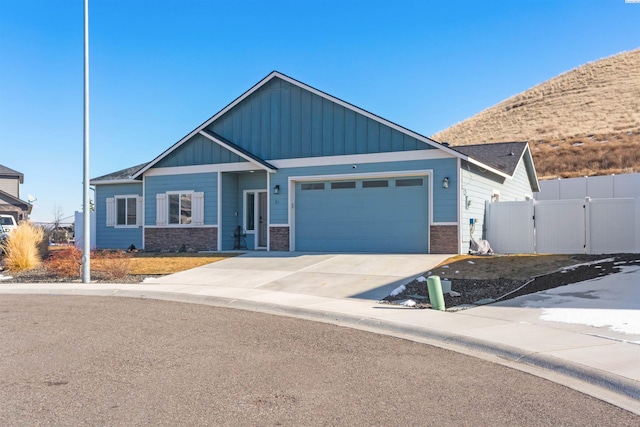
(262, 219)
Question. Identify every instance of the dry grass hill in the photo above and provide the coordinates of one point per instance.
(584, 122)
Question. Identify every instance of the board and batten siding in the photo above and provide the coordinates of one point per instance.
(231, 212)
(478, 186)
(445, 207)
(284, 121)
(197, 182)
(116, 237)
(199, 150)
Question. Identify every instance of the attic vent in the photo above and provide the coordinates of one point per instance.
(446, 144)
(511, 153)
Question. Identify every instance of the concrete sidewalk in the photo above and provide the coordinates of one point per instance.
(579, 358)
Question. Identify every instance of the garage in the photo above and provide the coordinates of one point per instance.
(387, 214)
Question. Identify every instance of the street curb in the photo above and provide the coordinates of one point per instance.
(614, 385)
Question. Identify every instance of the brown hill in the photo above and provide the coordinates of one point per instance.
(583, 122)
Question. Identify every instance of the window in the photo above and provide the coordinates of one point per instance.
(312, 186)
(409, 182)
(250, 212)
(124, 211)
(375, 184)
(126, 208)
(343, 184)
(180, 208)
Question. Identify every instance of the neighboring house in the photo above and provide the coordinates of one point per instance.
(286, 167)
(10, 202)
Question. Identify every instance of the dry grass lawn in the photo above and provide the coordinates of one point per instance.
(502, 267)
(159, 263)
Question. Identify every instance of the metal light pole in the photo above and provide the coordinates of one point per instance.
(86, 226)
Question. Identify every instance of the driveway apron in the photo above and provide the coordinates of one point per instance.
(363, 276)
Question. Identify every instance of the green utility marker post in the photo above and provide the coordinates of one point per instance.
(435, 293)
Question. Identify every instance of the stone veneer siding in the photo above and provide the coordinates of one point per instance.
(279, 238)
(170, 239)
(444, 239)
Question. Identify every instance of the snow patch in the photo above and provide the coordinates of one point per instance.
(398, 290)
(3, 277)
(408, 303)
(421, 279)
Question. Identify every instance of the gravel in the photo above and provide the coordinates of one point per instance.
(473, 290)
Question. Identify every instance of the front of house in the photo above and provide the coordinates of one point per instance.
(286, 167)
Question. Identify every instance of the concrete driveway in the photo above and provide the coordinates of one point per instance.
(364, 276)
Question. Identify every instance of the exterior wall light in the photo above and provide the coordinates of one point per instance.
(445, 182)
(276, 189)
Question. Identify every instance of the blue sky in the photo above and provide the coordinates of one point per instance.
(159, 68)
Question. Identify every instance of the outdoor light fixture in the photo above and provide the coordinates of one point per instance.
(445, 182)
(276, 189)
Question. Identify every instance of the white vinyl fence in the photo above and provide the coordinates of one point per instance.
(592, 226)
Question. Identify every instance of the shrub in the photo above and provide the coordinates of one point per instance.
(21, 248)
(112, 264)
(65, 262)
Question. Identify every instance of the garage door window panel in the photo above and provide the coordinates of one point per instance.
(378, 183)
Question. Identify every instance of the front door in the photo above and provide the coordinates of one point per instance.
(262, 219)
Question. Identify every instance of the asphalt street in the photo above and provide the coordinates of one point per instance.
(73, 360)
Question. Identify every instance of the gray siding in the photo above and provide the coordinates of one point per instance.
(114, 237)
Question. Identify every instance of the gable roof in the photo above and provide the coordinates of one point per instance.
(274, 75)
(10, 173)
(503, 156)
(121, 176)
(14, 201)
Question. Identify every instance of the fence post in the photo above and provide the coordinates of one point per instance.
(587, 225)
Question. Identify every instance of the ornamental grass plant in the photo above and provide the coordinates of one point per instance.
(21, 248)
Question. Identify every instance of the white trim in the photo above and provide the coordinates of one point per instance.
(115, 207)
(489, 168)
(168, 207)
(116, 181)
(182, 226)
(278, 225)
(256, 215)
(144, 218)
(268, 218)
(458, 205)
(396, 156)
(385, 174)
(215, 168)
(443, 223)
(364, 175)
(235, 151)
(219, 213)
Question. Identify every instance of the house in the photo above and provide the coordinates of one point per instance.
(287, 167)
(10, 202)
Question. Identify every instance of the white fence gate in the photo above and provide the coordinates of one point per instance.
(595, 226)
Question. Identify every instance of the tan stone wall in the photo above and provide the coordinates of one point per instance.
(170, 239)
(443, 239)
(279, 238)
